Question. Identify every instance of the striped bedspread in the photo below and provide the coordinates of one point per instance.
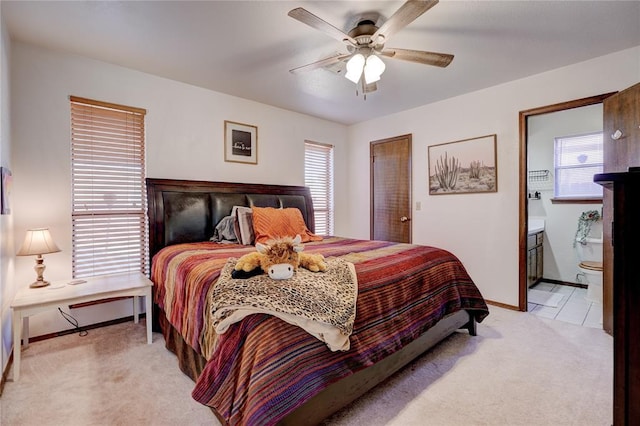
(263, 368)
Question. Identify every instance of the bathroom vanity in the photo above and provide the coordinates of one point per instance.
(535, 257)
(535, 254)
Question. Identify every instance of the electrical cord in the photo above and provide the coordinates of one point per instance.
(74, 322)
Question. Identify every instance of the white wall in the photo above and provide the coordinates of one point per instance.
(482, 229)
(561, 219)
(7, 287)
(184, 140)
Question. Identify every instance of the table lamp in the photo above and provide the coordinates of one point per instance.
(38, 242)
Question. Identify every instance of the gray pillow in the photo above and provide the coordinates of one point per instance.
(225, 231)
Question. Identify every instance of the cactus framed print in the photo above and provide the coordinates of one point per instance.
(464, 166)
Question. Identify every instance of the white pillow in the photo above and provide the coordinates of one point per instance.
(244, 224)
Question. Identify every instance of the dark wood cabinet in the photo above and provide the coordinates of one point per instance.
(621, 128)
(535, 258)
(624, 190)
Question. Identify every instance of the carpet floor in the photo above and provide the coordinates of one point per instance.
(519, 370)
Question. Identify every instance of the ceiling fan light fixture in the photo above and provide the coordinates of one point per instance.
(373, 69)
(365, 43)
(354, 67)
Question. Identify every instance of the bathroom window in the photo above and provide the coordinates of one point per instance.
(577, 158)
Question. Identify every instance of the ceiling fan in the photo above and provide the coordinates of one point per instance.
(365, 44)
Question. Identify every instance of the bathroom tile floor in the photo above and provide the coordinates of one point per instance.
(573, 308)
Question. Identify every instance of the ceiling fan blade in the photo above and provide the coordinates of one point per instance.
(321, 63)
(407, 13)
(419, 56)
(312, 20)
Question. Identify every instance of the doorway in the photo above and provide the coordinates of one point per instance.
(526, 117)
(390, 164)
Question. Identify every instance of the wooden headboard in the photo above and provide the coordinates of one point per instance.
(182, 211)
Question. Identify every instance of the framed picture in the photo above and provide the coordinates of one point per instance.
(5, 190)
(464, 166)
(240, 143)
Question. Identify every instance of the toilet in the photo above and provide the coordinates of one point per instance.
(590, 266)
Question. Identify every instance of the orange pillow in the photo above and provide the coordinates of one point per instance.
(270, 223)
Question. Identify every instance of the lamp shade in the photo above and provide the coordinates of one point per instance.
(373, 69)
(37, 241)
(354, 67)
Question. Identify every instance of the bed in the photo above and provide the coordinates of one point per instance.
(264, 370)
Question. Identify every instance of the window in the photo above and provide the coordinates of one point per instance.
(577, 159)
(318, 176)
(108, 189)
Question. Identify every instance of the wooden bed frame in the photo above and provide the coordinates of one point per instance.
(187, 211)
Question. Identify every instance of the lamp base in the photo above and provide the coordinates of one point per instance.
(37, 284)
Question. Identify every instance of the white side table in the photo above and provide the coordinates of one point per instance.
(31, 301)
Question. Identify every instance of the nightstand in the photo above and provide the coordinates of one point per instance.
(31, 301)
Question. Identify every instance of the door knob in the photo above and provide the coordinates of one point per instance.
(404, 219)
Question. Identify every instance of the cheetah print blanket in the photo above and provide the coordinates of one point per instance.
(323, 304)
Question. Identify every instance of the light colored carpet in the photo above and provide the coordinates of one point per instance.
(519, 370)
(545, 298)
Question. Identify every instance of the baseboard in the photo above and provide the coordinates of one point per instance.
(5, 373)
(567, 283)
(84, 328)
(502, 305)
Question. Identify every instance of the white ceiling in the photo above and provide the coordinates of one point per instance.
(246, 48)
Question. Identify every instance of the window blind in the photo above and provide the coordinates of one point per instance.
(318, 176)
(109, 222)
(577, 159)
